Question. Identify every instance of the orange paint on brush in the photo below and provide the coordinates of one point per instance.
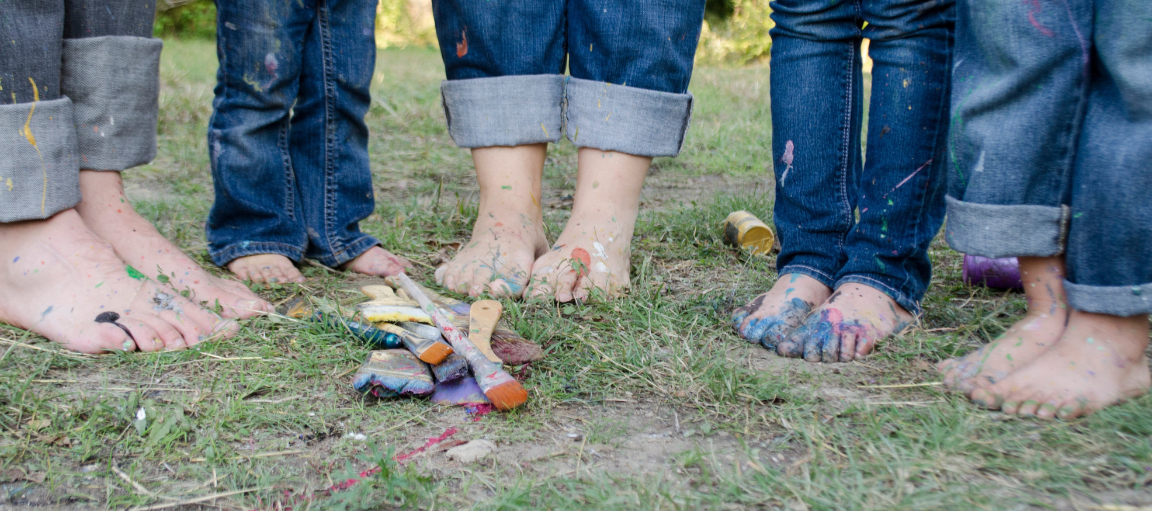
(462, 47)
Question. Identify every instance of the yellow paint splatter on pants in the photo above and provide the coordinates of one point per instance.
(27, 132)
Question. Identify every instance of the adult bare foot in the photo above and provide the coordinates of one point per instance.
(107, 212)
(593, 253)
(509, 231)
(769, 318)
(266, 269)
(62, 281)
(1026, 340)
(379, 262)
(1098, 361)
(846, 326)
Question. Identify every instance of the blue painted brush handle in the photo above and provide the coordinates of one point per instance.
(361, 331)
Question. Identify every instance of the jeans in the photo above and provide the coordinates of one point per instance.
(287, 139)
(839, 218)
(1051, 149)
(630, 63)
(79, 88)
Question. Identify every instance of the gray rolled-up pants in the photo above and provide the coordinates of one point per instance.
(79, 88)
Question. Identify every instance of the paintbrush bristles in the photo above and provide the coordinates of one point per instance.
(504, 391)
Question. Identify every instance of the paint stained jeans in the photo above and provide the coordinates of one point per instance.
(1051, 149)
(287, 139)
(79, 88)
(630, 63)
(822, 180)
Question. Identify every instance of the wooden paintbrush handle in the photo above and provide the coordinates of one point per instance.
(482, 318)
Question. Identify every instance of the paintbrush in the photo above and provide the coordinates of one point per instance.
(505, 392)
(508, 345)
(324, 314)
(432, 352)
(389, 373)
(482, 320)
(451, 369)
(387, 307)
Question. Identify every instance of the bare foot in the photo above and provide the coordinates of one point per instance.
(1099, 361)
(847, 326)
(379, 262)
(1026, 340)
(266, 269)
(769, 318)
(62, 281)
(108, 213)
(594, 251)
(509, 231)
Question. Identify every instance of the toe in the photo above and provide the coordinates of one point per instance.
(564, 285)
(278, 275)
(240, 269)
(985, 398)
(847, 348)
(1047, 410)
(1028, 408)
(439, 275)
(109, 338)
(169, 337)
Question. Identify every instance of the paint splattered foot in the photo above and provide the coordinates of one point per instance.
(266, 269)
(107, 212)
(1098, 361)
(591, 259)
(769, 318)
(846, 326)
(62, 281)
(379, 262)
(498, 258)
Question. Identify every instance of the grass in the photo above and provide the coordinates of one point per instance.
(648, 402)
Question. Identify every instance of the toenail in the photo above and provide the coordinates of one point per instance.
(127, 345)
(203, 338)
(1065, 412)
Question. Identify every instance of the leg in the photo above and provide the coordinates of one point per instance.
(627, 103)
(1100, 360)
(900, 198)
(329, 140)
(60, 279)
(258, 210)
(503, 100)
(817, 106)
(1024, 341)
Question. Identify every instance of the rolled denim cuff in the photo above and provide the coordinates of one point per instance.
(995, 230)
(114, 83)
(626, 119)
(1123, 301)
(39, 174)
(224, 255)
(504, 110)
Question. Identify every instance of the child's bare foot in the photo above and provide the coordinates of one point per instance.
(846, 326)
(509, 231)
(769, 318)
(62, 281)
(1098, 361)
(107, 212)
(379, 262)
(266, 269)
(594, 251)
(1026, 340)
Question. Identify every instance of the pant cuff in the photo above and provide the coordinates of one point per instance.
(504, 110)
(39, 174)
(114, 83)
(626, 119)
(911, 305)
(994, 230)
(349, 252)
(1123, 301)
(808, 271)
(229, 253)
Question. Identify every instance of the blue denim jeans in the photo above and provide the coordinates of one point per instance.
(1051, 149)
(287, 139)
(630, 63)
(840, 218)
(79, 89)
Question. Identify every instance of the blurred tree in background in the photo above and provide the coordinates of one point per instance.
(735, 31)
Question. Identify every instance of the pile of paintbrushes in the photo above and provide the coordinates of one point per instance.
(410, 325)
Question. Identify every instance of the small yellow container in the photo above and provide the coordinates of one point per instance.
(743, 229)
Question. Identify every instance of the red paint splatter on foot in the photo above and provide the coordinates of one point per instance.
(585, 259)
